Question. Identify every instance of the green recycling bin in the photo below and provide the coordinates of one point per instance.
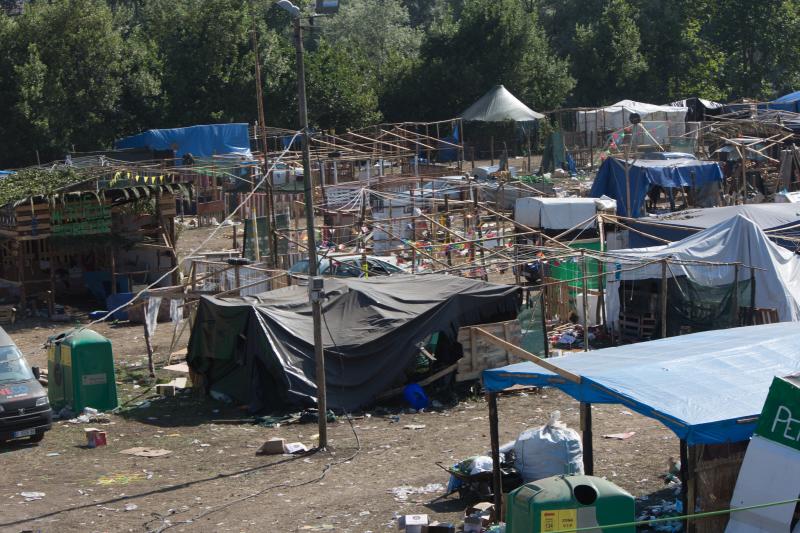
(564, 503)
(80, 371)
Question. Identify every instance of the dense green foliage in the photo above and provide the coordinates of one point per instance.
(36, 182)
(80, 73)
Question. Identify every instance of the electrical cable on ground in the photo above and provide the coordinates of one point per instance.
(167, 524)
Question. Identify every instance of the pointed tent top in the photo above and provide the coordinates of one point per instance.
(499, 105)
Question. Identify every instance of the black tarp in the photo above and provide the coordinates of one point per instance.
(259, 350)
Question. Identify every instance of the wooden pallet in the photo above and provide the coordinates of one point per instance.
(480, 354)
(637, 327)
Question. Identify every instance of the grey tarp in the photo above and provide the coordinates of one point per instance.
(259, 350)
(499, 105)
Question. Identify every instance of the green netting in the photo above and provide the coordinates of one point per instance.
(692, 307)
(570, 269)
(264, 245)
(530, 323)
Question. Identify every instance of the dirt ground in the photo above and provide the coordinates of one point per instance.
(213, 481)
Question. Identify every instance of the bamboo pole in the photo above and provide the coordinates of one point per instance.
(663, 298)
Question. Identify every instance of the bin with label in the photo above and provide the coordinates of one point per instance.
(80, 367)
(561, 503)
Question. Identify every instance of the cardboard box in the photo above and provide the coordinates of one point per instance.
(272, 447)
(484, 510)
(95, 437)
(413, 523)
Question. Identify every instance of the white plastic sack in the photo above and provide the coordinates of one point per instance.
(481, 463)
(550, 450)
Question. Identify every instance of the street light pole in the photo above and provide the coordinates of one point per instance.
(316, 303)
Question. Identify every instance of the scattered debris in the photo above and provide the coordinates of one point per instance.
(414, 426)
(276, 446)
(620, 436)
(122, 478)
(32, 496)
(142, 451)
(402, 493)
(95, 437)
(131, 506)
(171, 388)
(413, 523)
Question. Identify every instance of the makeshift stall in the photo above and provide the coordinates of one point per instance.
(707, 388)
(629, 182)
(774, 270)
(259, 350)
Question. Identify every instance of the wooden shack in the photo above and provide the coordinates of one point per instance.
(79, 242)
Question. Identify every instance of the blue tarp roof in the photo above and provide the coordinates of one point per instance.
(708, 387)
(786, 98)
(610, 180)
(200, 141)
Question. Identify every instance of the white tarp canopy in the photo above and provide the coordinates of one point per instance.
(499, 105)
(561, 213)
(736, 240)
(661, 121)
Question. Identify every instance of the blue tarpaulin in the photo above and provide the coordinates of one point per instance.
(644, 174)
(708, 388)
(787, 102)
(200, 141)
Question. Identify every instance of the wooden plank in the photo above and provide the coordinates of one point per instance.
(516, 350)
(427, 381)
(480, 354)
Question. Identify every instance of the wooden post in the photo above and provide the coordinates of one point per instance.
(752, 295)
(663, 298)
(586, 438)
(494, 437)
(735, 296)
(491, 149)
(447, 238)
(113, 271)
(480, 240)
(688, 484)
(585, 302)
(413, 235)
(237, 278)
(544, 325)
(51, 300)
(235, 243)
(150, 364)
(744, 175)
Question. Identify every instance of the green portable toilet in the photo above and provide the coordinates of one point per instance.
(562, 503)
(80, 369)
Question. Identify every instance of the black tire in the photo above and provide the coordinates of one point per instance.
(37, 437)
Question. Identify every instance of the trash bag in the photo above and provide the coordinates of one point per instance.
(550, 450)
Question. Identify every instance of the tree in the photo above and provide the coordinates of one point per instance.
(205, 48)
(340, 95)
(607, 59)
(758, 42)
(66, 61)
(379, 31)
(492, 43)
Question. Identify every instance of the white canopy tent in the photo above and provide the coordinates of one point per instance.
(736, 240)
(661, 121)
(499, 105)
